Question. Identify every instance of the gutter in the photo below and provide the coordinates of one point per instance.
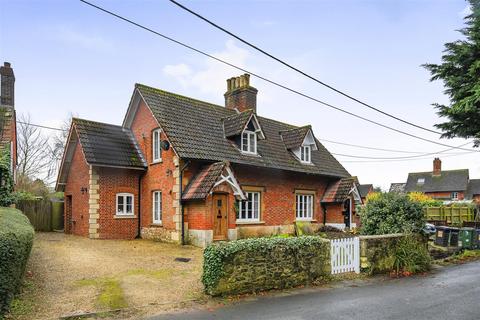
(181, 201)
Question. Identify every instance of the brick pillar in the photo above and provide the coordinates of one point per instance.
(177, 206)
(93, 203)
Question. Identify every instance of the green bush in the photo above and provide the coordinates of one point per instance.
(391, 213)
(16, 239)
(411, 256)
(7, 196)
(263, 263)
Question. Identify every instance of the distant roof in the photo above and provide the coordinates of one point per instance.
(397, 187)
(473, 188)
(195, 130)
(365, 189)
(339, 191)
(448, 180)
(108, 144)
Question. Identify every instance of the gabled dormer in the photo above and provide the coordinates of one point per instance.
(244, 130)
(301, 142)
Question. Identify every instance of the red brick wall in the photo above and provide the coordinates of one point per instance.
(445, 195)
(159, 176)
(78, 177)
(112, 181)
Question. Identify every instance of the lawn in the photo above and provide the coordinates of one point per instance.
(68, 275)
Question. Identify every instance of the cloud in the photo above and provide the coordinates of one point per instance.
(211, 76)
(264, 23)
(88, 41)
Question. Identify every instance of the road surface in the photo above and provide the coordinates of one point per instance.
(449, 293)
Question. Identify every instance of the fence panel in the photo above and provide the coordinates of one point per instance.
(345, 255)
(450, 214)
(39, 212)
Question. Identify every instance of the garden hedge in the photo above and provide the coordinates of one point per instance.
(258, 264)
(16, 239)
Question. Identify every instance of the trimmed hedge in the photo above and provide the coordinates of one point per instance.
(258, 264)
(16, 239)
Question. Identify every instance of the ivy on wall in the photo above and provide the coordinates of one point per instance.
(7, 196)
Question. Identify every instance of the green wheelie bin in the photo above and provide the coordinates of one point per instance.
(466, 238)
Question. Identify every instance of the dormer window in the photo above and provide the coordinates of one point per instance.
(421, 181)
(249, 142)
(306, 154)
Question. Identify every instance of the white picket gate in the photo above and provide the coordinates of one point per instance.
(345, 255)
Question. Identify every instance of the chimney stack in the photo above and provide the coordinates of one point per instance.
(240, 95)
(437, 167)
(7, 83)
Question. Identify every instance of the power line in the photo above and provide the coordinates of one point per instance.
(266, 79)
(400, 160)
(40, 126)
(298, 70)
(369, 148)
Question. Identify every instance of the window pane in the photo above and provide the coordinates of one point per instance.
(245, 141)
(252, 142)
(119, 204)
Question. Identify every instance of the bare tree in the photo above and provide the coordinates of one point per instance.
(59, 140)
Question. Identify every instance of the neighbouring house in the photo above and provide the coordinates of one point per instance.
(180, 169)
(8, 128)
(365, 190)
(448, 185)
(397, 187)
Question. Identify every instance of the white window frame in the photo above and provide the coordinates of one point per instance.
(306, 154)
(251, 148)
(421, 181)
(454, 195)
(255, 207)
(304, 205)
(157, 205)
(156, 146)
(124, 212)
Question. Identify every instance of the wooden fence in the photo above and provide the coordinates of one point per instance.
(44, 215)
(450, 214)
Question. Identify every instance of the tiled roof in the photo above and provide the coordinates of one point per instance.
(397, 187)
(234, 125)
(107, 144)
(448, 180)
(339, 190)
(293, 138)
(6, 123)
(203, 182)
(365, 189)
(195, 129)
(473, 188)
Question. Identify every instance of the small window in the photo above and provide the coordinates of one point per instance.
(156, 146)
(454, 195)
(249, 142)
(249, 210)
(304, 205)
(306, 154)
(421, 181)
(157, 206)
(124, 204)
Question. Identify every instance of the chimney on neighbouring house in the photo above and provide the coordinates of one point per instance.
(240, 95)
(7, 83)
(437, 167)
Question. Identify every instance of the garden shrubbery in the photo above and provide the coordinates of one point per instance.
(411, 256)
(391, 213)
(16, 239)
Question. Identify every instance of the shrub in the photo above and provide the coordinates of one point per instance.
(391, 213)
(6, 180)
(16, 239)
(411, 256)
(424, 199)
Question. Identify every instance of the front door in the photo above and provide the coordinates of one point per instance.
(220, 216)
(347, 213)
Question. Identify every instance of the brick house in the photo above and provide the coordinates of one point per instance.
(8, 125)
(184, 170)
(448, 185)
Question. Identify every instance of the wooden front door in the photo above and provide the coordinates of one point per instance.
(220, 216)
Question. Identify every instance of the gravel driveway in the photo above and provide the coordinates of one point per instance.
(69, 274)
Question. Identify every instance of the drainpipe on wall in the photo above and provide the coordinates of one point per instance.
(181, 201)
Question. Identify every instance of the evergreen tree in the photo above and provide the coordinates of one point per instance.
(460, 73)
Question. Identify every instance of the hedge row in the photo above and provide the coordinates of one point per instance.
(264, 263)
(16, 239)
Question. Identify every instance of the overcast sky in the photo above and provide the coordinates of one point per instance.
(70, 58)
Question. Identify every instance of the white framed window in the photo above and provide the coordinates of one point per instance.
(125, 204)
(156, 146)
(454, 195)
(157, 206)
(304, 206)
(421, 181)
(249, 142)
(249, 209)
(306, 154)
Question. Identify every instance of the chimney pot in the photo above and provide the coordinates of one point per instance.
(437, 167)
(240, 95)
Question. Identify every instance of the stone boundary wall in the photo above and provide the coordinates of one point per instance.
(251, 265)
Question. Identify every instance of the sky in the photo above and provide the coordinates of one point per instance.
(69, 59)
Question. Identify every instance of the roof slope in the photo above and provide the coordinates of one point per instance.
(339, 191)
(473, 188)
(195, 129)
(108, 144)
(365, 189)
(293, 138)
(204, 181)
(234, 125)
(448, 180)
